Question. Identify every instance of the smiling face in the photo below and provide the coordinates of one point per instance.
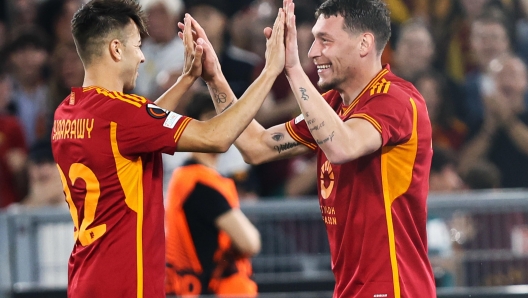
(335, 52)
(131, 55)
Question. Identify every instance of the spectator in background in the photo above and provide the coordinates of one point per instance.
(209, 239)
(483, 175)
(489, 40)
(448, 131)
(444, 176)
(414, 50)
(27, 57)
(237, 64)
(45, 187)
(54, 17)
(163, 49)
(12, 150)
(66, 71)
(503, 137)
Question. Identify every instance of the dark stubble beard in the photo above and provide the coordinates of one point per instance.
(330, 85)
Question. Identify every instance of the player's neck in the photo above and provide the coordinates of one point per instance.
(102, 76)
(361, 78)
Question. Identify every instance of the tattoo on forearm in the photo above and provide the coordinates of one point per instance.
(286, 146)
(220, 97)
(310, 121)
(304, 96)
(277, 136)
(317, 126)
(227, 107)
(327, 139)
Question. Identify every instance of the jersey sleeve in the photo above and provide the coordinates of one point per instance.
(390, 115)
(150, 129)
(298, 130)
(207, 203)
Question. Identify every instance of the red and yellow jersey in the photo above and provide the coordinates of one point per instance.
(201, 258)
(108, 147)
(374, 207)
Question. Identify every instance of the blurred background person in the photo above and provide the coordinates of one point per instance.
(54, 18)
(209, 240)
(503, 137)
(45, 186)
(13, 151)
(489, 39)
(27, 61)
(237, 64)
(162, 48)
(448, 130)
(444, 176)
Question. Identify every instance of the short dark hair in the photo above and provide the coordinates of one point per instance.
(361, 15)
(199, 104)
(98, 18)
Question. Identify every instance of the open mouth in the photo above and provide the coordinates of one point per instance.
(323, 67)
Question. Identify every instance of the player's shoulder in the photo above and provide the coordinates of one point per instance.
(390, 86)
(120, 99)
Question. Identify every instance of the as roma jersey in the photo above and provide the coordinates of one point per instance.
(374, 207)
(108, 147)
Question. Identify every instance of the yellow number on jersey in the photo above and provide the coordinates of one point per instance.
(86, 236)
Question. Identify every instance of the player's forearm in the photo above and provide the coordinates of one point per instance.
(236, 115)
(327, 129)
(170, 99)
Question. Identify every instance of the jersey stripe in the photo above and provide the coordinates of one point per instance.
(297, 138)
(372, 82)
(130, 174)
(369, 119)
(397, 164)
(181, 128)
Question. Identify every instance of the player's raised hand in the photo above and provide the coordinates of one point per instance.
(192, 64)
(275, 49)
(292, 50)
(210, 63)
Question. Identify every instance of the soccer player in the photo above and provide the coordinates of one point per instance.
(208, 238)
(108, 146)
(372, 136)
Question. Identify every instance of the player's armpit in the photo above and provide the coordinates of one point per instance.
(259, 146)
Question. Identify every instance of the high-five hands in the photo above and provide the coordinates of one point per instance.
(210, 62)
(192, 64)
(275, 49)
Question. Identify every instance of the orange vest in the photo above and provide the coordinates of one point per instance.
(183, 264)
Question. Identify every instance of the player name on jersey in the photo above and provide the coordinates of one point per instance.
(72, 129)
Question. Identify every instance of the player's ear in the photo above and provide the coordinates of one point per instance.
(367, 44)
(116, 49)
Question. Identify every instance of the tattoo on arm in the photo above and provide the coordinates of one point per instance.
(317, 126)
(310, 121)
(227, 107)
(220, 97)
(277, 136)
(304, 96)
(285, 146)
(327, 139)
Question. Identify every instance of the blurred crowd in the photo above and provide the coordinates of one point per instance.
(467, 58)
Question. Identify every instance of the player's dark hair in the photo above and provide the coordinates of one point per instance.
(200, 104)
(361, 16)
(94, 21)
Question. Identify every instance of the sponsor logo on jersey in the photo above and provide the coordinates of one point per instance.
(156, 112)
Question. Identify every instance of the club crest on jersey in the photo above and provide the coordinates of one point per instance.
(156, 112)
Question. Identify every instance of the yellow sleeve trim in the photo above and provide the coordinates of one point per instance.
(181, 128)
(369, 119)
(297, 138)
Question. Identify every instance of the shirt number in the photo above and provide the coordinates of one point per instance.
(82, 233)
